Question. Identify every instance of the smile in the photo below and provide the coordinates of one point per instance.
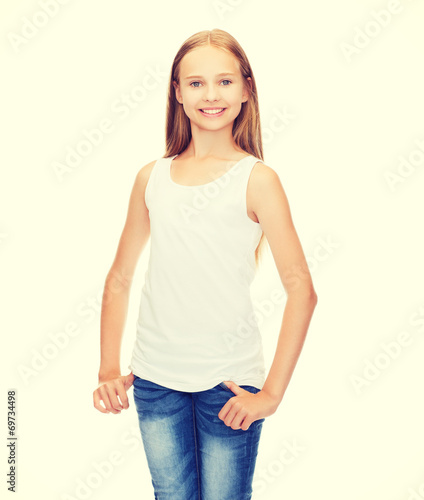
(213, 112)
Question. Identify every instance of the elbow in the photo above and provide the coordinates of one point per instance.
(305, 294)
(311, 295)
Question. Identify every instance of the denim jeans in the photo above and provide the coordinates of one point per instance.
(191, 453)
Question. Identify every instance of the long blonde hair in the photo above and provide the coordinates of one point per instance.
(246, 127)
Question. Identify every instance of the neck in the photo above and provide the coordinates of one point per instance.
(216, 144)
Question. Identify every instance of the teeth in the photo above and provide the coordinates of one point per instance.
(212, 111)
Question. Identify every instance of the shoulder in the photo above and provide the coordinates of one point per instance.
(143, 174)
(265, 189)
(264, 177)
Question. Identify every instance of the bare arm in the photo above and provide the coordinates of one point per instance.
(267, 199)
(270, 204)
(116, 293)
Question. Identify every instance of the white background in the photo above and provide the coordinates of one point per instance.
(352, 119)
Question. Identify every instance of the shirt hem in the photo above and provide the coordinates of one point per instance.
(176, 386)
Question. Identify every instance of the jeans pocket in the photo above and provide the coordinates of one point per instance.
(222, 384)
(250, 388)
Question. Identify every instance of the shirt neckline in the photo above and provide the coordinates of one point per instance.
(200, 185)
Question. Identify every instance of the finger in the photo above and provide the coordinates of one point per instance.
(246, 423)
(122, 393)
(129, 381)
(113, 397)
(224, 410)
(231, 414)
(236, 389)
(97, 405)
(238, 419)
(106, 400)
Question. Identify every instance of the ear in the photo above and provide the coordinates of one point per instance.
(247, 91)
(177, 92)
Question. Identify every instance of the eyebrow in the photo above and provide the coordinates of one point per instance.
(220, 74)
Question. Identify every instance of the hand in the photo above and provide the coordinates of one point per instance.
(108, 392)
(244, 408)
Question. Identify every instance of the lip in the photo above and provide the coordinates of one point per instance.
(212, 115)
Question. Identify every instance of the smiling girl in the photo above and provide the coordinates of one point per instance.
(197, 367)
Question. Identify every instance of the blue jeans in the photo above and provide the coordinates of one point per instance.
(191, 453)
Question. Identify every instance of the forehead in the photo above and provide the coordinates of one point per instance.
(208, 60)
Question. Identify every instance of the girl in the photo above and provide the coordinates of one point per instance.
(197, 365)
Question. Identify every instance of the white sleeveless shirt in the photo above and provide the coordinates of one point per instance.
(196, 325)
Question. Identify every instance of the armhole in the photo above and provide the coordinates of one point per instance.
(148, 188)
(245, 191)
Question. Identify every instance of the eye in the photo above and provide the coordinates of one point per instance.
(195, 85)
(226, 81)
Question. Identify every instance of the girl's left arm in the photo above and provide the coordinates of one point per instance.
(269, 202)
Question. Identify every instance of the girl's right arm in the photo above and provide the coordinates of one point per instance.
(115, 300)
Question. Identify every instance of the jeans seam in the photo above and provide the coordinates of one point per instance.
(195, 447)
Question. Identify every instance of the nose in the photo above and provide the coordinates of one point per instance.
(211, 93)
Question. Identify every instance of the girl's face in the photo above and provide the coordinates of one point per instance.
(210, 78)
